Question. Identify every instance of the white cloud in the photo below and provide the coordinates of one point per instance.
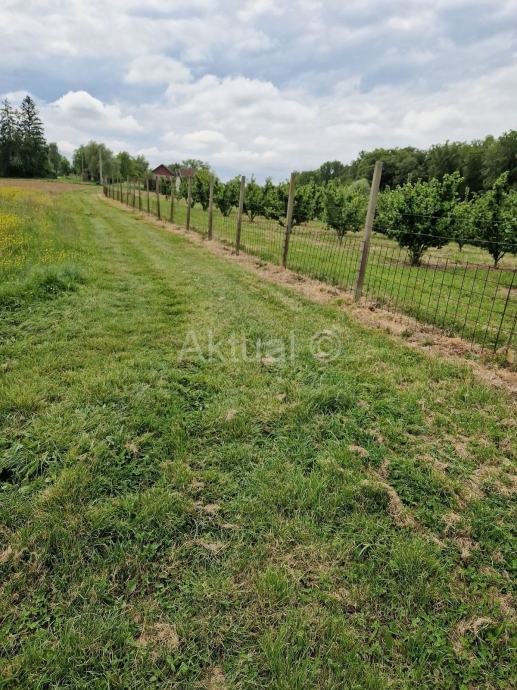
(263, 86)
(204, 139)
(157, 69)
(432, 120)
(80, 108)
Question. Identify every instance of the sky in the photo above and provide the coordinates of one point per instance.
(262, 87)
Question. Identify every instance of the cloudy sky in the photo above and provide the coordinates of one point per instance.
(262, 86)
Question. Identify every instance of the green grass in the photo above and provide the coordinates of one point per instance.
(458, 292)
(305, 522)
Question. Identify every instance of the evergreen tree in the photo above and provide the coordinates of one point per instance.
(33, 147)
(8, 139)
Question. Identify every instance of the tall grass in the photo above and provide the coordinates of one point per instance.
(37, 257)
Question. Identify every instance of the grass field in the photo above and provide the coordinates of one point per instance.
(458, 292)
(325, 508)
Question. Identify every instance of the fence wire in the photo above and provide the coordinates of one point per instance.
(465, 298)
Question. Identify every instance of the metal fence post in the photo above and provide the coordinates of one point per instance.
(211, 207)
(239, 215)
(289, 219)
(368, 226)
(189, 201)
(157, 180)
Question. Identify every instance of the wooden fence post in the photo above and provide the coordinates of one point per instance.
(211, 207)
(171, 212)
(368, 225)
(148, 200)
(239, 215)
(140, 184)
(189, 201)
(134, 193)
(127, 191)
(157, 180)
(289, 219)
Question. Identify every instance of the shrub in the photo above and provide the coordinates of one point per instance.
(494, 216)
(417, 214)
(253, 200)
(345, 208)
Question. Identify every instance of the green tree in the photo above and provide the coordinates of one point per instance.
(345, 207)
(33, 148)
(501, 156)
(472, 160)
(462, 221)
(400, 165)
(270, 200)
(64, 167)
(140, 166)
(494, 215)
(417, 214)
(226, 195)
(125, 165)
(8, 139)
(87, 159)
(201, 187)
(253, 200)
(443, 159)
(54, 159)
(305, 204)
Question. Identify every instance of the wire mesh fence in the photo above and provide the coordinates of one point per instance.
(456, 292)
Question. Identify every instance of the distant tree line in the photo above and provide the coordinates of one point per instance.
(479, 163)
(86, 162)
(24, 151)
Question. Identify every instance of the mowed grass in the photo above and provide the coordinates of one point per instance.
(184, 517)
(458, 292)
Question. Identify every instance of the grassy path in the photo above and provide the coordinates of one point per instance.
(457, 292)
(240, 522)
